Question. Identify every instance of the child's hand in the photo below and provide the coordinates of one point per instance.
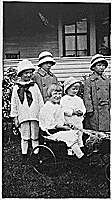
(16, 121)
(66, 127)
(70, 126)
(78, 113)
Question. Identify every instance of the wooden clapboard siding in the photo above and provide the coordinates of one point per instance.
(65, 67)
(29, 46)
(77, 67)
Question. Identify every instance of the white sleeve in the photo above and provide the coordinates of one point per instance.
(14, 103)
(40, 98)
(60, 117)
(82, 106)
(66, 107)
(42, 119)
(46, 117)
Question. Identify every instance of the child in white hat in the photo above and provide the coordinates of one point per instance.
(97, 96)
(26, 103)
(51, 120)
(73, 106)
(43, 76)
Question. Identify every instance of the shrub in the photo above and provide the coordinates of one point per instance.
(9, 79)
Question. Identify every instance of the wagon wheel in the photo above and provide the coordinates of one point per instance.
(107, 172)
(45, 161)
(104, 151)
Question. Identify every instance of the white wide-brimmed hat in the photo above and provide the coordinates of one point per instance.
(69, 81)
(98, 58)
(46, 56)
(25, 65)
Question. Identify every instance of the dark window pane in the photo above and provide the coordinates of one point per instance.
(81, 42)
(82, 26)
(82, 45)
(70, 42)
(70, 46)
(70, 28)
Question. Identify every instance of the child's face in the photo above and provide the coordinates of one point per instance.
(26, 75)
(73, 89)
(99, 67)
(46, 66)
(55, 97)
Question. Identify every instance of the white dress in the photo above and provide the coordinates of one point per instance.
(71, 104)
(52, 115)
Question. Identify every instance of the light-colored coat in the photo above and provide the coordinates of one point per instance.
(44, 80)
(23, 111)
(97, 100)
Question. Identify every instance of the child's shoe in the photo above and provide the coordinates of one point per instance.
(70, 152)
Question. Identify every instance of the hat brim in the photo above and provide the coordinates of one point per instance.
(44, 60)
(19, 73)
(98, 60)
(72, 82)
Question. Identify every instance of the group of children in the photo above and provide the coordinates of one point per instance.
(38, 102)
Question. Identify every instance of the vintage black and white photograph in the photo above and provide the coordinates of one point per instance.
(56, 99)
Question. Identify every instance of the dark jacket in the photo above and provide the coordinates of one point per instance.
(97, 100)
(44, 80)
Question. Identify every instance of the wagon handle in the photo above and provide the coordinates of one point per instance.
(107, 134)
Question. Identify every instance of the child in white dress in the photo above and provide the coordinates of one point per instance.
(73, 106)
(51, 120)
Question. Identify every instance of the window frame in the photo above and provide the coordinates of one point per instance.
(76, 35)
(109, 35)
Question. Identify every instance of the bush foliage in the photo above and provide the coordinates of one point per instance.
(9, 79)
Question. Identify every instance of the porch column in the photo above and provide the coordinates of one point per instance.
(60, 37)
(92, 34)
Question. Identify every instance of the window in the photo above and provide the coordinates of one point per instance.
(76, 39)
(104, 36)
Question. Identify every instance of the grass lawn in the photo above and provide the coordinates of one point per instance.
(68, 182)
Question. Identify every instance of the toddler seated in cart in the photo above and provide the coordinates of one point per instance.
(51, 121)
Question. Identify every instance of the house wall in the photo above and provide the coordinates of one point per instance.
(50, 39)
(24, 31)
(65, 67)
(31, 45)
(33, 36)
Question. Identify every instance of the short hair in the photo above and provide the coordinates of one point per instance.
(54, 87)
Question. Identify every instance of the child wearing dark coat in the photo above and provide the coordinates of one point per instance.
(97, 96)
(43, 76)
